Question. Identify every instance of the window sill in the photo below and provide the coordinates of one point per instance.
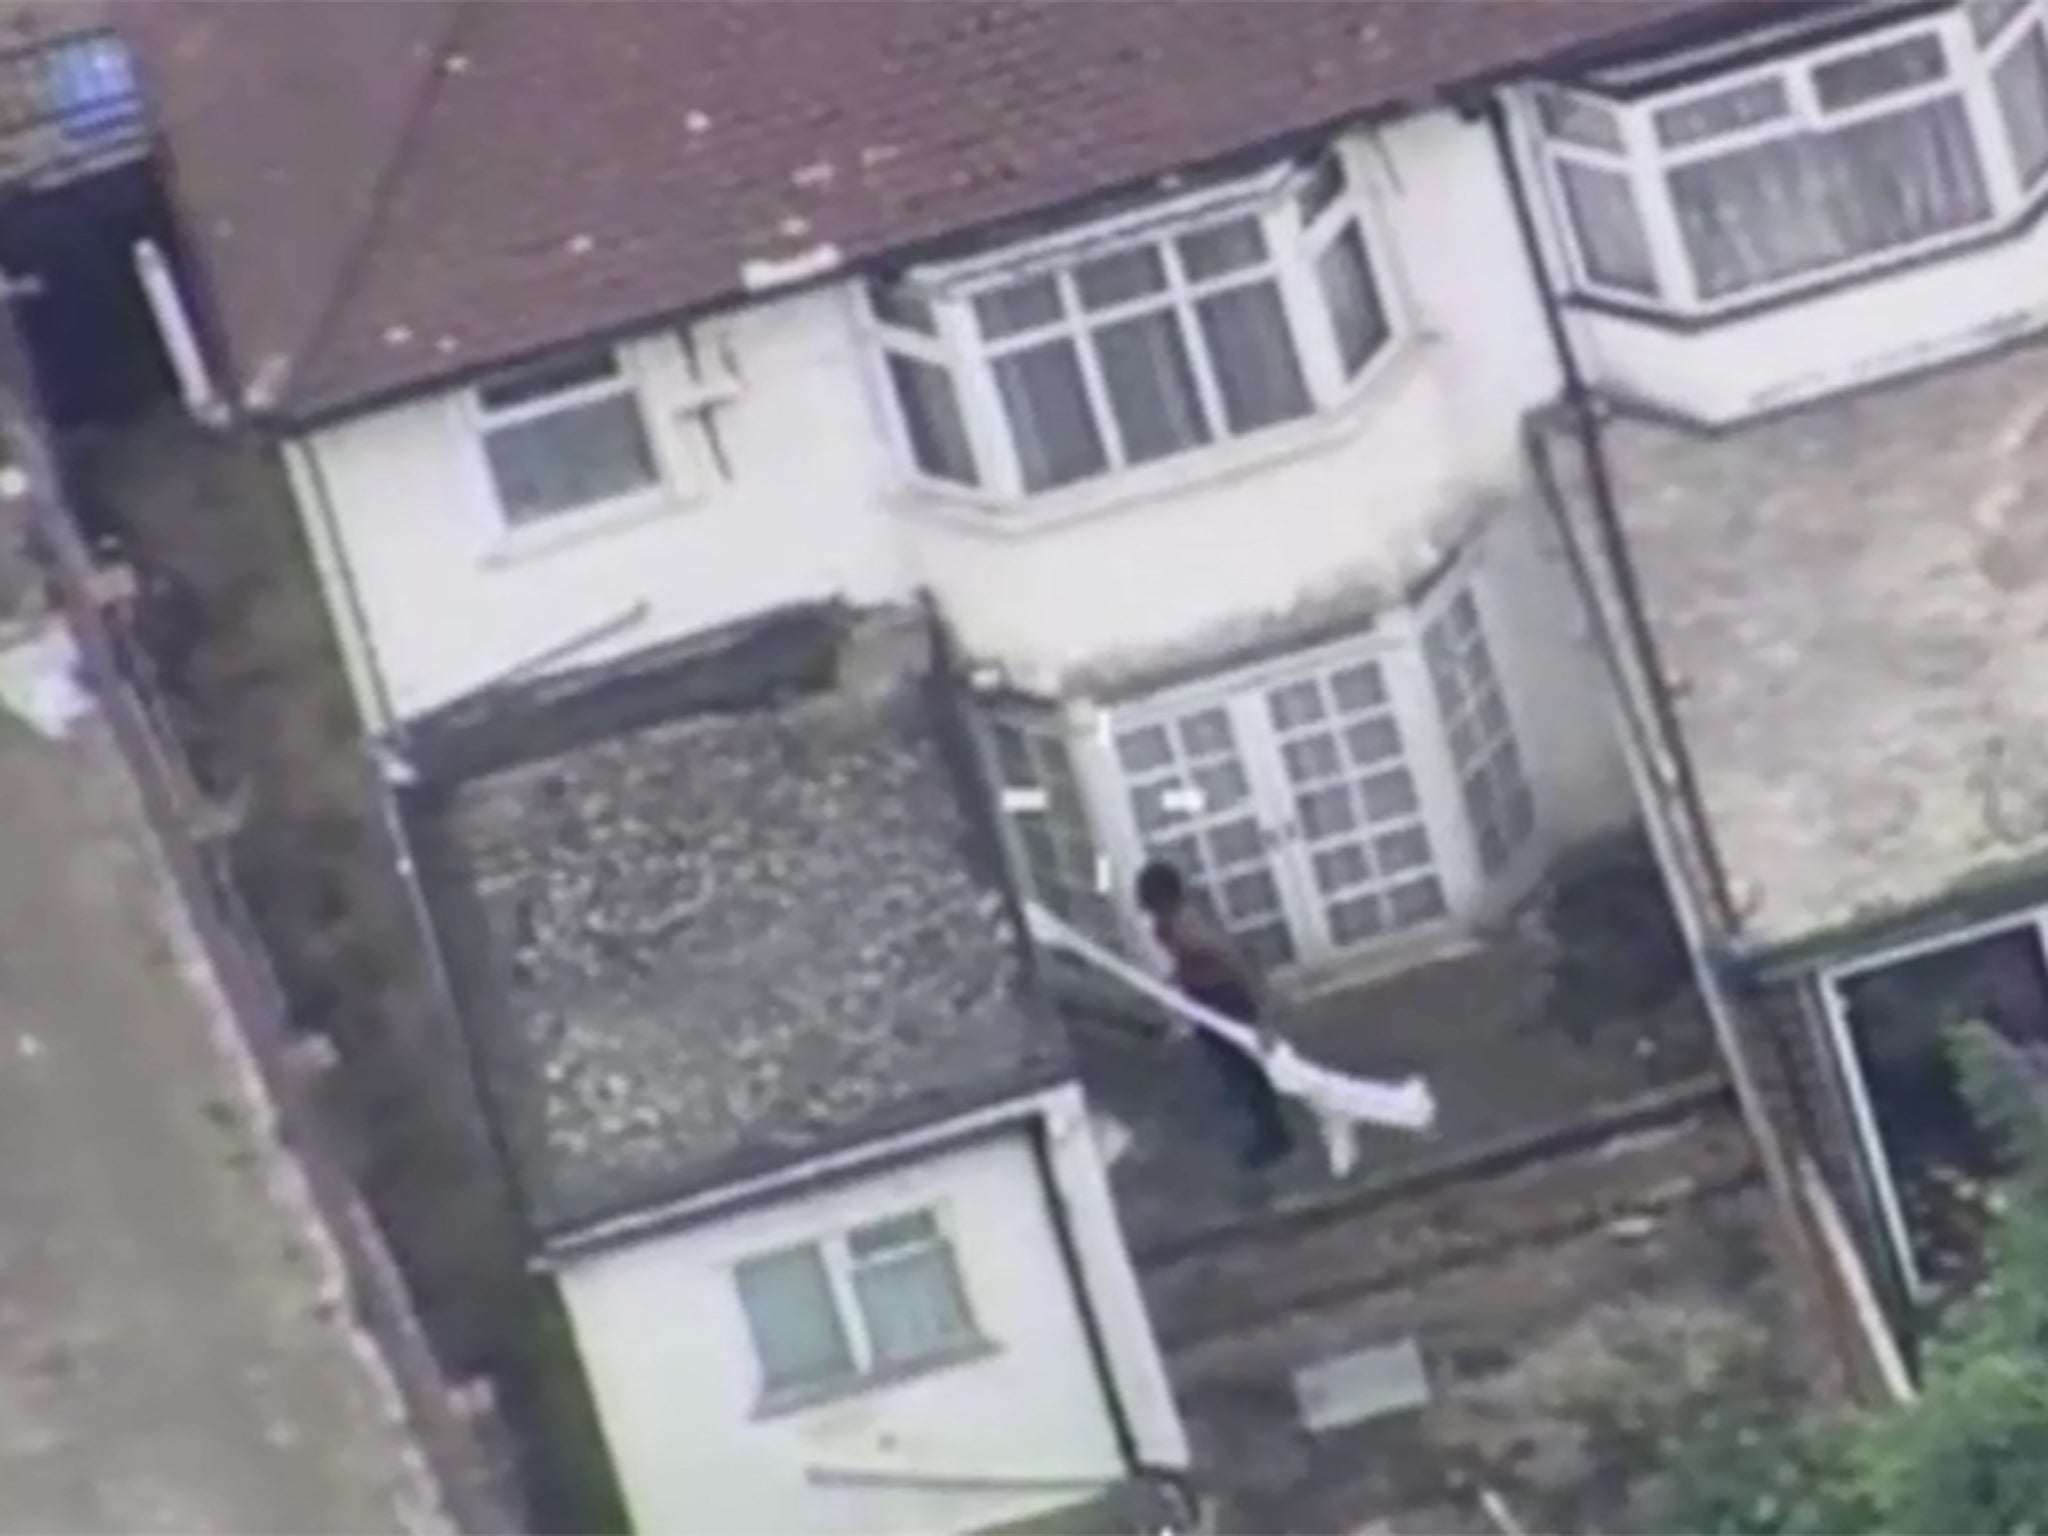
(787, 1400)
(565, 530)
(999, 516)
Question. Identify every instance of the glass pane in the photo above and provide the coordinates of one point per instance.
(552, 376)
(1389, 795)
(1353, 298)
(1572, 119)
(1880, 72)
(2021, 81)
(1325, 812)
(895, 304)
(1357, 919)
(1341, 867)
(1250, 895)
(1322, 187)
(1150, 386)
(1359, 687)
(1019, 307)
(1723, 111)
(1295, 705)
(1222, 786)
(1236, 842)
(1419, 901)
(913, 1229)
(1805, 203)
(1402, 850)
(1607, 227)
(1372, 741)
(1312, 757)
(1222, 248)
(932, 419)
(1119, 277)
(1013, 755)
(1206, 734)
(574, 457)
(1049, 415)
(1988, 18)
(913, 1304)
(798, 1339)
(1144, 749)
(1251, 353)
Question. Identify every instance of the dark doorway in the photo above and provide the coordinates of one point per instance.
(1942, 1162)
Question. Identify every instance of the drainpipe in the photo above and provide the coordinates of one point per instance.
(180, 338)
(1093, 1330)
(330, 554)
(1663, 743)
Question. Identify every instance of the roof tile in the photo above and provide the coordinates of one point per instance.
(392, 193)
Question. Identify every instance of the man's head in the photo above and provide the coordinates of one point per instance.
(1161, 890)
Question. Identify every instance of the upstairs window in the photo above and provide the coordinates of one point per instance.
(1137, 349)
(1824, 163)
(563, 435)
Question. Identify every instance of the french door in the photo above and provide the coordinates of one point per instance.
(1312, 801)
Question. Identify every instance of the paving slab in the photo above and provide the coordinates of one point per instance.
(173, 1352)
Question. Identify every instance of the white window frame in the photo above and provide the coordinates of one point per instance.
(1293, 249)
(835, 1253)
(1646, 163)
(1394, 641)
(626, 380)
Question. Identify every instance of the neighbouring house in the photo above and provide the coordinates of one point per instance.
(809, 1163)
(1805, 288)
(1183, 365)
(76, 190)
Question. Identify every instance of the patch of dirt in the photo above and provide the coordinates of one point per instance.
(1559, 1364)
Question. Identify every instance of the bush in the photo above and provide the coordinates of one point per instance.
(1971, 1453)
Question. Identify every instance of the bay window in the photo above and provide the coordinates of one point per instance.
(1132, 349)
(1817, 164)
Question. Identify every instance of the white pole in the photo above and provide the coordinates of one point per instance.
(174, 329)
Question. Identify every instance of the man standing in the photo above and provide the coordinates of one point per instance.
(1209, 969)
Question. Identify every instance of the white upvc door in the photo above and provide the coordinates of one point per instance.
(1312, 799)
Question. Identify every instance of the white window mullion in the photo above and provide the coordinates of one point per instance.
(1295, 252)
(1987, 121)
(1676, 281)
(988, 427)
(839, 1277)
(1182, 297)
(1083, 340)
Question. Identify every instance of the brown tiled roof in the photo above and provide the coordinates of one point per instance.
(384, 192)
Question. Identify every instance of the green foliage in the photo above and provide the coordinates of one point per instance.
(1971, 1453)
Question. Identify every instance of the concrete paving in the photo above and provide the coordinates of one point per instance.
(170, 1355)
